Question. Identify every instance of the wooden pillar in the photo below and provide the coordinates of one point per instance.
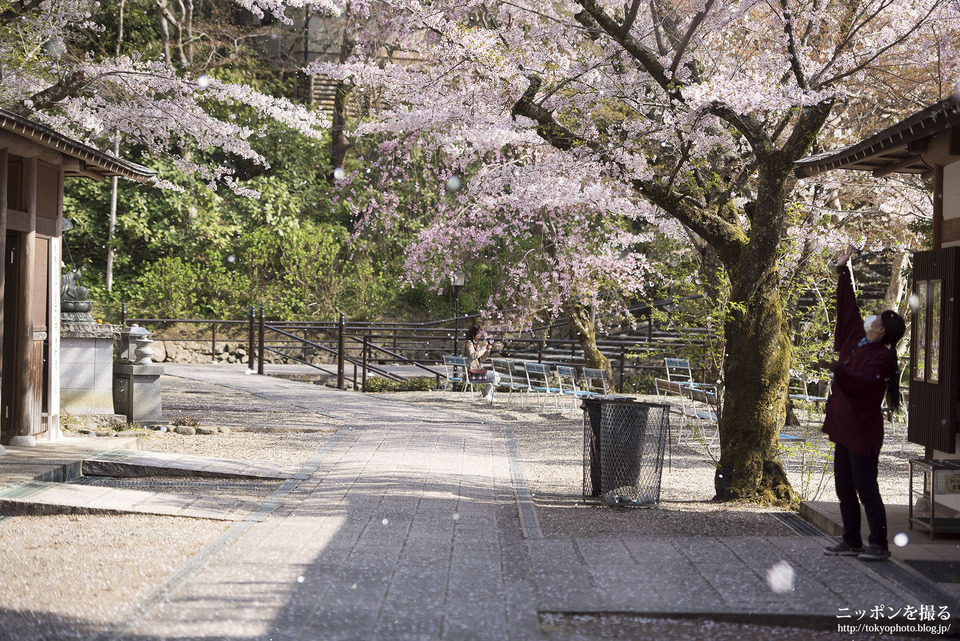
(4, 190)
(937, 240)
(23, 405)
(54, 266)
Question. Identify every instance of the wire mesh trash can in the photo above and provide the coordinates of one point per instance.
(623, 447)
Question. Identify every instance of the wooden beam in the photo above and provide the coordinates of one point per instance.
(53, 322)
(23, 405)
(897, 167)
(77, 167)
(89, 173)
(19, 146)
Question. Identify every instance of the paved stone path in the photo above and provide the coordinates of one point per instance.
(414, 523)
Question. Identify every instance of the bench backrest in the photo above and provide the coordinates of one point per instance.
(701, 396)
(567, 379)
(504, 368)
(669, 387)
(678, 369)
(455, 367)
(538, 374)
(595, 380)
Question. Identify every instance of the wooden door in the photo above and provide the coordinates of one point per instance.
(935, 350)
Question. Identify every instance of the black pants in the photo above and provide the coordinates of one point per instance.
(856, 475)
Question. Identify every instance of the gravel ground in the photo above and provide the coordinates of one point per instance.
(80, 572)
(551, 444)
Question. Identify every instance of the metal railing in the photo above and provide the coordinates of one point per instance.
(371, 348)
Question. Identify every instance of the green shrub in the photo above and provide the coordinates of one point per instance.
(418, 384)
(380, 385)
(639, 383)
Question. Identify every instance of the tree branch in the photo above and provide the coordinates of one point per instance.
(725, 235)
(748, 126)
(547, 127)
(694, 24)
(15, 12)
(647, 58)
(805, 130)
(69, 86)
(655, 18)
(792, 46)
(630, 15)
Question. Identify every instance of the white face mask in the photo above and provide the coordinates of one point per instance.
(868, 322)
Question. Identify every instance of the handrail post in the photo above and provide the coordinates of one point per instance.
(250, 346)
(261, 350)
(366, 350)
(213, 343)
(623, 358)
(540, 351)
(340, 348)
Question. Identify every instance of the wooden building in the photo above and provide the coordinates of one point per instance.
(926, 143)
(34, 162)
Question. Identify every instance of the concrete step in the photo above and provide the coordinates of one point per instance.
(66, 484)
(136, 463)
(44, 498)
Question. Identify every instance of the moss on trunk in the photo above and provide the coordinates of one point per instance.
(756, 374)
(581, 323)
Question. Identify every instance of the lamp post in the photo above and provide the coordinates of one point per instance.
(457, 279)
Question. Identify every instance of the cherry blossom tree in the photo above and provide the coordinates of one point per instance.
(53, 73)
(555, 251)
(697, 107)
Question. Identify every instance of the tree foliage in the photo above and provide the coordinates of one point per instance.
(695, 109)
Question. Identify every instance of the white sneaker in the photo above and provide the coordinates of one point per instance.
(489, 398)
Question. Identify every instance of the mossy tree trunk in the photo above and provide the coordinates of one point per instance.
(756, 371)
(580, 322)
(758, 350)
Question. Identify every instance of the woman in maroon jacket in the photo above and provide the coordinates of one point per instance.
(865, 370)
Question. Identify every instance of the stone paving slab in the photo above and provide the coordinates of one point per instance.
(688, 576)
(407, 526)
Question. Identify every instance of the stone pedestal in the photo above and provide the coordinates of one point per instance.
(136, 379)
(86, 368)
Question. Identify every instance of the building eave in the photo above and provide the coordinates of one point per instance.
(897, 149)
(91, 162)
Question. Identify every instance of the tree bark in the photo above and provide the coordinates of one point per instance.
(758, 355)
(581, 324)
(756, 375)
(896, 288)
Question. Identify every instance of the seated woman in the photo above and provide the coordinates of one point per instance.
(477, 348)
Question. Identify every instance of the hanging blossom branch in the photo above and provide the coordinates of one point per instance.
(148, 102)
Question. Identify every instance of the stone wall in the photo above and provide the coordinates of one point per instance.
(227, 351)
